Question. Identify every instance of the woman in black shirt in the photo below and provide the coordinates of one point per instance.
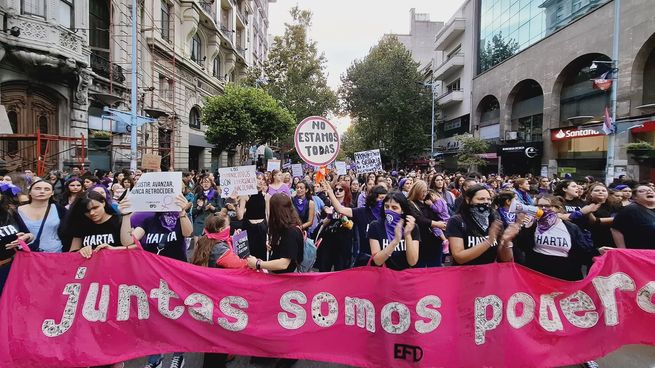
(94, 225)
(286, 237)
(474, 235)
(394, 238)
(600, 221)
(253, 211)
(12, 229)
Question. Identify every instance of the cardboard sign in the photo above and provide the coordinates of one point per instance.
(340, 167)
(368, 161)
(317, 141)
(156, 192)
(296, 170)
(239, 179)
(240, 244)
(273, 165)
(150, 161)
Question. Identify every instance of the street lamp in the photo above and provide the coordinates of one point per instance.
(433, 131)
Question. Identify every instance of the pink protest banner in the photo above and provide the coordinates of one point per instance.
(59, 310)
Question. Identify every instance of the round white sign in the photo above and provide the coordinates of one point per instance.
(317, 141)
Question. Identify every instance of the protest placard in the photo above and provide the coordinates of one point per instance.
(368, 161)
(296, 170)
(239, 179)
(317, 141)
(240, 244)
(150, 161)
(156, 192)
(273, 165)
(340, 167)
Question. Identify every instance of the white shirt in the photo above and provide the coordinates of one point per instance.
(556, 241)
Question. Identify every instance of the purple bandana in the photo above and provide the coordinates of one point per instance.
(546, 221)
(391, 220)
(377, 209)
(299, 203)
(210, 194)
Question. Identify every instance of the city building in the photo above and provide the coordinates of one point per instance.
(65, 69)
(420, 39)
(452, 73)
(535, 91)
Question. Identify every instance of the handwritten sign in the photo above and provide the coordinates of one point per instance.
(368, 161)
(317, 141)
(239, 179)
(340, 167)
(273, 165)
(296, 170)
(240, 244)
(150, 161)
(156, 192)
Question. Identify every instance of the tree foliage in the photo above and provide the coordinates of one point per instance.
(294, 73)
(389, 105)
(496, 51)
(244, 116)
(470, 148)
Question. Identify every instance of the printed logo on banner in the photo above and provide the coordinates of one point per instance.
(317, 141)
(239, 179)
(368, 161)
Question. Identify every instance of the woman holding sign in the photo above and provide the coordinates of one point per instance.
(164, 234)
(206, 202)
(253, 211)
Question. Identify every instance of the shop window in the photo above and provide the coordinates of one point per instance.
(33, 7)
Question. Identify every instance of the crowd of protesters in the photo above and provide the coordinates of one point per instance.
(398, 219)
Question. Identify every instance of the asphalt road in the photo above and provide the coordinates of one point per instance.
(629, 356)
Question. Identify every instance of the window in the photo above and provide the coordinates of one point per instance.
(454, 86)
(165, 88)
(216, 72)
(457, 50)
(196, 45)
(65, 13)
(33, 7)
(576, 5)
(194, 118)
(165, 21)
(99, 25)
(453, 124)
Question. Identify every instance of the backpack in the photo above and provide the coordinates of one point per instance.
(306, 262)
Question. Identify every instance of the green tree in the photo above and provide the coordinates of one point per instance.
(244, 116)
(352, 140)
(470, 148)
(294, 73)
(496, 51)
(389, 105)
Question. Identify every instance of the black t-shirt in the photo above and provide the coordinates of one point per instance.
(363, 217)
(573, 205)
(471, 234)
(600, 233)
(637, 224)
(8, 230)
(161, 241)
(109, 232)
(398, 259)
(291, 246)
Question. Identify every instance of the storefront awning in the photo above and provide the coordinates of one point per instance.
(199, 141)
(648, 126)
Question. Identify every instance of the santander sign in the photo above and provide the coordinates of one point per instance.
(574, 132)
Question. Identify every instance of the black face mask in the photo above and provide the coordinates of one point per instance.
(482, 207)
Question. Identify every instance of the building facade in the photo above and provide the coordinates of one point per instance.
(547, 115)
(186, 51)
(453, 72)
(420, 39)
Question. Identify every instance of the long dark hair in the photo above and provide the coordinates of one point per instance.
(66, 194)
(282, 216)
(76, 216)
(204, 245)
(561, 186)
(465, 207)
(372, 196)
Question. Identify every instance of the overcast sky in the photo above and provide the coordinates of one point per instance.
(346, 29)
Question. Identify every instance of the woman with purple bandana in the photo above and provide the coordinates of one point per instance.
(164, 234)
(553, 246)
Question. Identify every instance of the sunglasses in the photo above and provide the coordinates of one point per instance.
(338, 189)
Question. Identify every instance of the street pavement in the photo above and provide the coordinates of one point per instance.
(629, 356)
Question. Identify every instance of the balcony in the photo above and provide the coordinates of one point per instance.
(449, 33)
(449, 67)
(451, 97)
(210, 9)
(101, 66)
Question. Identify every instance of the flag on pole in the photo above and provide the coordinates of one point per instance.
(604, 82)
(608, 124)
